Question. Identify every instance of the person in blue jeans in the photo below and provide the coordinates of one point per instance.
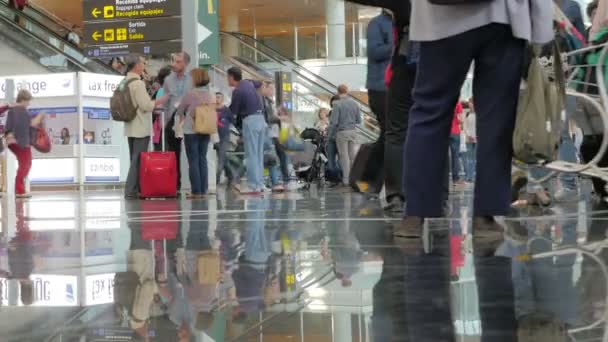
(455, 153)
(247, 105)
(196, 144)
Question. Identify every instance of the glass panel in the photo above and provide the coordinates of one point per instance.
(312, 42)
(349, 39)
(283, 42)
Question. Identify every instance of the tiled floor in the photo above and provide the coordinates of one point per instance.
(308, 266)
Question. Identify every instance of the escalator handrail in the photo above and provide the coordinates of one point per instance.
(55, 35)
(278, 57)
(43, 42)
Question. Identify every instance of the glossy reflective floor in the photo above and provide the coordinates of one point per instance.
(308, 266)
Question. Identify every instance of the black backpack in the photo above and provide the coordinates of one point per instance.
(121, 104)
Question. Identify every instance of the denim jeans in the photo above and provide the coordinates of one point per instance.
(222, 163)
(254, 136)
(196, 151)
(333, 167)
(470, 162)
(455, 156)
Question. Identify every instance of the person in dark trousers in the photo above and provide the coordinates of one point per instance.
(334, 173)
(493, 36)
(247, 105)
(138, 130)
(345, 117)
(225, 119)
(400, 79)
(177, 84)
(379, 51)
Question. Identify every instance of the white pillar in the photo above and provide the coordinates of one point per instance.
(230, 45)
(336, 29)
(342, 327)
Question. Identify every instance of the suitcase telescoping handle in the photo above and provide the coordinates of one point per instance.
(162, 130)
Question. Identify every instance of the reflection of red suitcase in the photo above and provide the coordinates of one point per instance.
(159, 220)
(157, 175)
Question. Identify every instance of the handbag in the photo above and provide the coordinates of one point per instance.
(537, 131)
(205, 119)
(40, 140)
(457, 2)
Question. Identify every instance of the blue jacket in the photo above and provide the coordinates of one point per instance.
(379, 50)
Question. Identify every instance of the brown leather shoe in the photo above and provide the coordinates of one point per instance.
(409, 228)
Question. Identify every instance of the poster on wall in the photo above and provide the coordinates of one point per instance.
(97, 126)
(61, 124)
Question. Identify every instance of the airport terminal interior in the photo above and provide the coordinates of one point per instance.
(309, 256)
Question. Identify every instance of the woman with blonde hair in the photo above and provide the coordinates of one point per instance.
(196, 144)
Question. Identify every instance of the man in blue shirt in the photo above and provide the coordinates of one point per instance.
(247, 106)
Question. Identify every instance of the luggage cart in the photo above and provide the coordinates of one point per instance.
(590, 113)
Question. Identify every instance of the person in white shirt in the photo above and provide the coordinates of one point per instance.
(470, 133)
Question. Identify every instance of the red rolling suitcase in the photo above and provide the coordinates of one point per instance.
(158, 172)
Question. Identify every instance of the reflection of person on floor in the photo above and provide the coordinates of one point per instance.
(544, 290)
(21, 257)
(249, 278)
(346, 253)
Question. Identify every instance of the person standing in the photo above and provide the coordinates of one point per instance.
(224, 123)
(455, 145)
(470, 133)
(334, 173)
(247, 105)
(138, 130)
(177, 84)
(196, 144)
(493, 36)
(18, 139)
(345, 117)
(379, 52)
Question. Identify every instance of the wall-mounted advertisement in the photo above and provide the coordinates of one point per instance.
(99, 289)
(98, 126)
(50, 85)
(101, 170)
(61, 124)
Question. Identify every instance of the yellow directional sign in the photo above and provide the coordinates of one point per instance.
(108, 12)
(96, 35)
(210, 6)
(108, 35)
(95, 12)
(121, 34)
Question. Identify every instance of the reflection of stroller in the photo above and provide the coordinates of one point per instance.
(310, 164)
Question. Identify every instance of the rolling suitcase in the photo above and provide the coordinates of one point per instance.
(156, 172)
(367, 172)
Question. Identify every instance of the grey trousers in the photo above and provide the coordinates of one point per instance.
(346, 142)
(136, 147)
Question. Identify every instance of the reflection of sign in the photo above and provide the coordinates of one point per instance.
(50, 85)
(103, 215)
(101, 169)
(99, 289)
(55, 290)
(133, 31)
(208, 33)
(133, 9)
(98, 85)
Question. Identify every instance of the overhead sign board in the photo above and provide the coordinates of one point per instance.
(119, 27)
(146, 48)
(133, 31)
(208, 33)
(132, 9)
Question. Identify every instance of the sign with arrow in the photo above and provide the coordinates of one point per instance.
(133, 31)
(101, 10)
(208, 33)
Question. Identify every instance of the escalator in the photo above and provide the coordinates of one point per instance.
(311, 92)
(33, 35)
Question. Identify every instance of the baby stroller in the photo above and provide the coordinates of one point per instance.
(310, 163)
